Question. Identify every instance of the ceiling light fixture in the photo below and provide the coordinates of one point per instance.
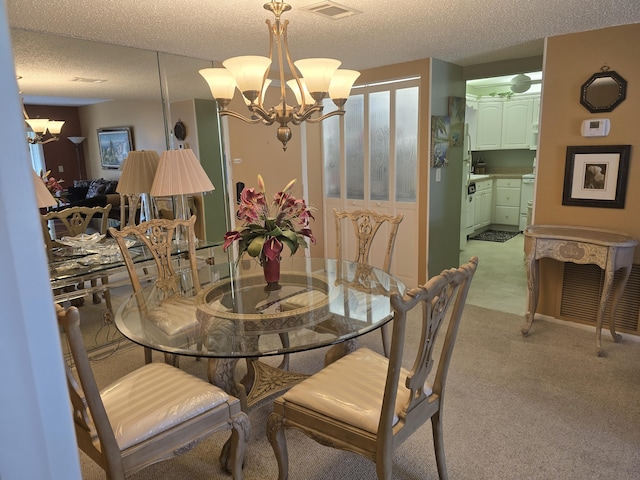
(520, 83)
(42, 126)
(318, 77)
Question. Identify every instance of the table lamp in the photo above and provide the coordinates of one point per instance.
(43, 195)
(180, 174)
(138, 172)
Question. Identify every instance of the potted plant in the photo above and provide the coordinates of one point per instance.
(269, 226)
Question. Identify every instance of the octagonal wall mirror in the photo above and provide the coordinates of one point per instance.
(603, 91)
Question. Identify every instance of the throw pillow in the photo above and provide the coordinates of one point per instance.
(97, 187)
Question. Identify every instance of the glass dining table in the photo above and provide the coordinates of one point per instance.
(320, 302)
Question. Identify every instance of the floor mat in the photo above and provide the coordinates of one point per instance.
(494, 236)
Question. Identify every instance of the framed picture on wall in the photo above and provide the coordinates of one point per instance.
(114, 144)
(596, 176)
(439, 141)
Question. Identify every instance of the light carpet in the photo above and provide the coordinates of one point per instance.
(540, 407)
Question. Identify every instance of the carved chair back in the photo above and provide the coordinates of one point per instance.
(76, 221)
(366, 224)
(158, 237)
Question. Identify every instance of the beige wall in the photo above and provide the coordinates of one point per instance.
(569, 61)
(146, 118)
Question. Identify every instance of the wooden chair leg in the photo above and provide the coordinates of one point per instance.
(238, 444)
(436, 426)
(384, 331)
(275, 433)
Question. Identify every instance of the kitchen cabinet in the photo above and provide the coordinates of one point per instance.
(516, 124)
(489, 127)
(507, 124)
(507, 204)
(535, 120)
(482, 203)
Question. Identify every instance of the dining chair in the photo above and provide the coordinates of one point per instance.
(366, 225)
(175, 316)
(369, 404)
(76, 221)
(154, 413)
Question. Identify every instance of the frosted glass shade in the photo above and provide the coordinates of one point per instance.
(38, 125)
(180, 173)
(293, 85)
(341, 83)
(267, 82)
(54, 126)
(317, 72)
(138, 171)
(221, 82)
(43, 195)
(249, 71)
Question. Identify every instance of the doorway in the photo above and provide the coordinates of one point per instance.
(502, 123)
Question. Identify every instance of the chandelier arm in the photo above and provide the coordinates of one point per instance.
(233, 114)
(292, 68)
(38, 140)
(266, 74)
(318, 119)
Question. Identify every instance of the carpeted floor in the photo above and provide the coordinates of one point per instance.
(494, 236)
(540, 407)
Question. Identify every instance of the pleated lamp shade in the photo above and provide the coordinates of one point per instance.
(43, 195)
(138, 171)
(180, 173)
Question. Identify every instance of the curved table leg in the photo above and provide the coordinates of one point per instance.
(614, 304)
(606, 290)
(533, 281)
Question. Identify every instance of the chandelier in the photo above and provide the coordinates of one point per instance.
(317, 78)
(42, 126)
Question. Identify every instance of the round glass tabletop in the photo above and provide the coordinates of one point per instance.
(320, 302)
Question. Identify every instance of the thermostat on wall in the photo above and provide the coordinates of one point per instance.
(598, 127)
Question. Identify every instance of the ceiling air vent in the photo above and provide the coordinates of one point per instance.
(331, 10)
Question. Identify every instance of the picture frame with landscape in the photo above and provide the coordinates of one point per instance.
(114, 145)
(596, 176)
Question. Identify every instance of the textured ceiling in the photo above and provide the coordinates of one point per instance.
(463, 32)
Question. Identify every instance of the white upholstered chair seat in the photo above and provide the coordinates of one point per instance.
(351, 390)
(302, 300)
(176, 315)
(155, 398)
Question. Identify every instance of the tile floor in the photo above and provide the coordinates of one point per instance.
(500, 282)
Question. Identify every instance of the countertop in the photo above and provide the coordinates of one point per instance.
(474, 177)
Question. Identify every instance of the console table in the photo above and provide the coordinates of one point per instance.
(609, 250)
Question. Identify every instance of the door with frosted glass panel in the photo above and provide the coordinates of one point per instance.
(370, 161)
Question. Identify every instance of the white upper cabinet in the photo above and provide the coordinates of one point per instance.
(489, 128)
(516, 124)
(507, 124)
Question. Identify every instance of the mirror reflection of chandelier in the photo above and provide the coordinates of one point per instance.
(317, 78)
(42, 126)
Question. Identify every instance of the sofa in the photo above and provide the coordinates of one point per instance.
(94, 193)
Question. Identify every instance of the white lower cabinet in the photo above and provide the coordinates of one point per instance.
(482, 204)
(507, 204)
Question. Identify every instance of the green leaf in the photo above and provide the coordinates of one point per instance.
(255, 247)
(291, 236)
(293, 246)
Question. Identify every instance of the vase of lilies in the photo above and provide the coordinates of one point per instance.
(269, 225)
